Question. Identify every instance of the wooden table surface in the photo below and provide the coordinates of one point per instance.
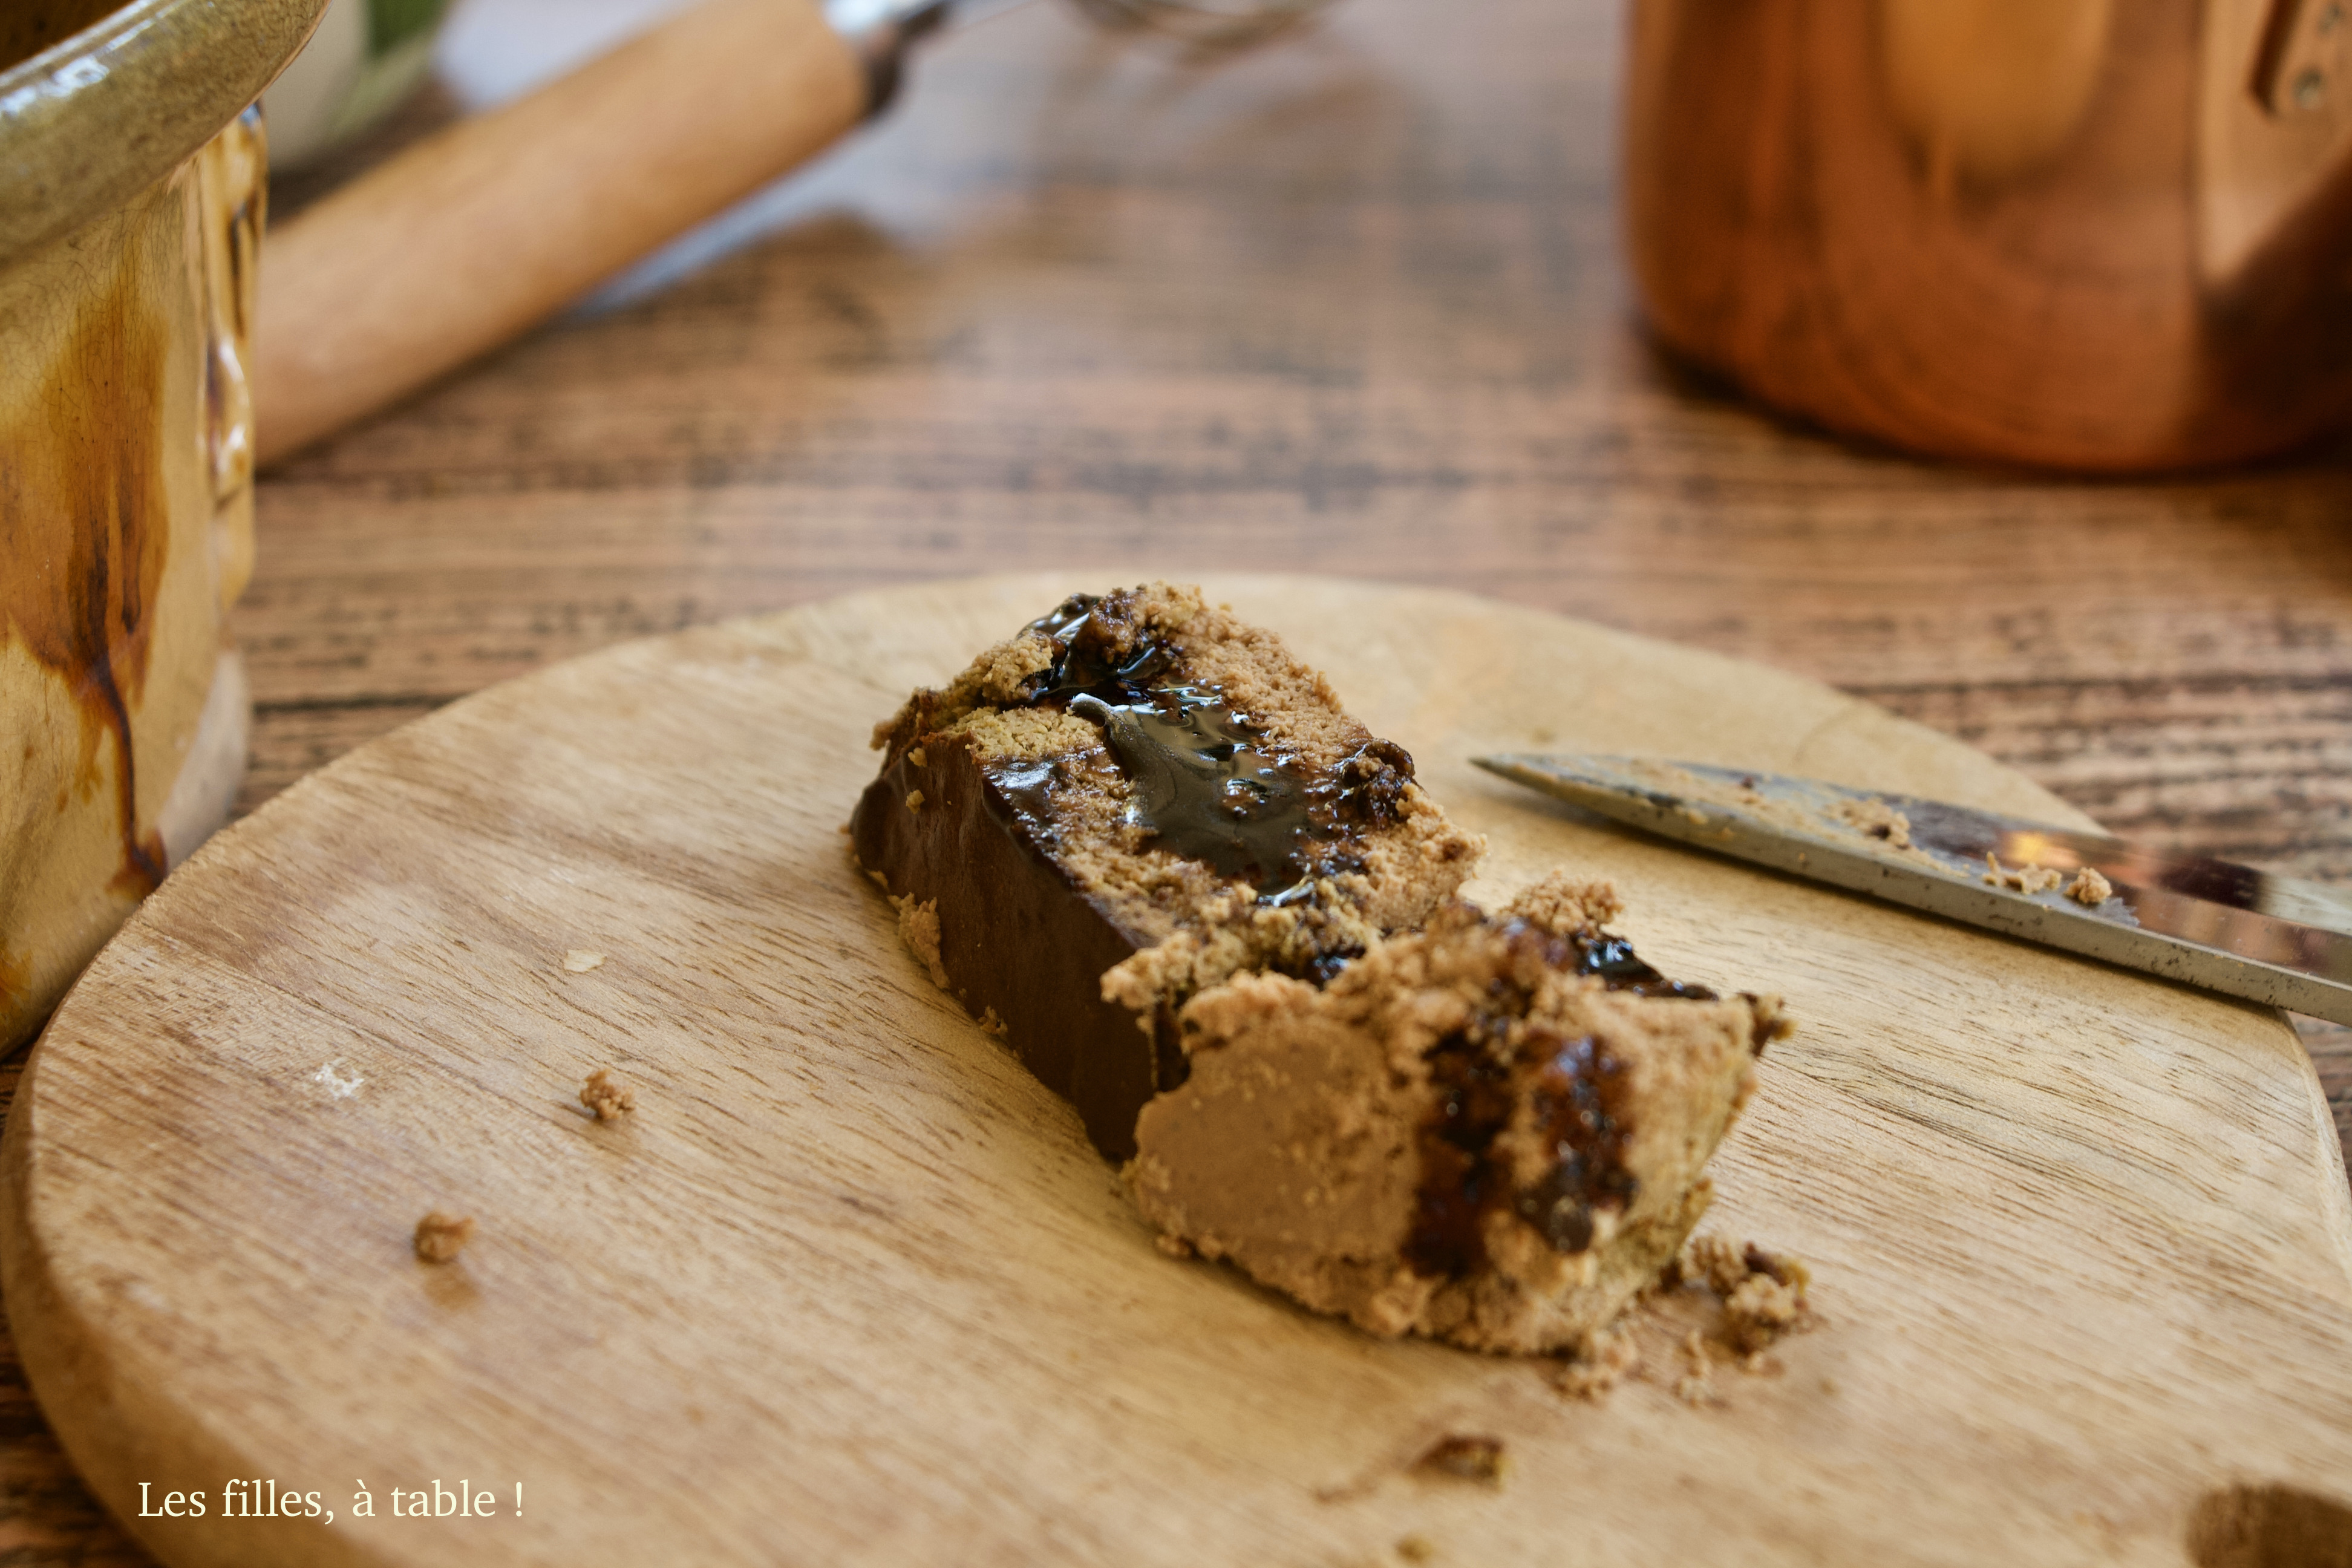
(1352, 304)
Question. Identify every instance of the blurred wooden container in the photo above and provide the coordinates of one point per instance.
(131, 203)
(2099, 235)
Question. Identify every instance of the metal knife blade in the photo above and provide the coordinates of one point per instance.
(2210, 923)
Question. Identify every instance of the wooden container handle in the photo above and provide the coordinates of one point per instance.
(470, 237)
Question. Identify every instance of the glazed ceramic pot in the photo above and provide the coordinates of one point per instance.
(131, 209)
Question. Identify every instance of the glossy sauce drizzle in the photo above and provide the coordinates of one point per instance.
(1576, 1089)
(1206, 782)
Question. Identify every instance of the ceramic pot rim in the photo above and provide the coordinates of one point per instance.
(98, 117)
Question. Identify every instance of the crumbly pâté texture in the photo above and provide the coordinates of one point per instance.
(1403, 859)
(1146, 847)
(1155, 794)
(1472, 1133)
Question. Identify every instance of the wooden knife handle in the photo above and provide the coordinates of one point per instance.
(472, 237)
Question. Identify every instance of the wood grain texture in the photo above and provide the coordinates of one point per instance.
(46, 1514)
(1352, 303)
(849, 1285)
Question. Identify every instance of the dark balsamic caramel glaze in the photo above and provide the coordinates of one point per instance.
(1206, 782)
(1024, 797)
(1576, 1090)
(1460, 1179)
(1578, 1099)
(1205, 788)
(1611, 957)
(1323, 968)
(1605, 955)
(1064, 615)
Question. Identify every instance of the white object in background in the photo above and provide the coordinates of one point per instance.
(366, 56)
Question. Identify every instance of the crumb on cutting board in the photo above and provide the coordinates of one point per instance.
(579, 961)
(606, 1095)
(1605, 1358)
(1760, 1311)
(1763, 1293)
(1697, 1385)
(441, 1236)
(918, 928)
(1758, 1297)
(1466, 1458)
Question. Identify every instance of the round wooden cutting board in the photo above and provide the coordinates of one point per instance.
(849, 1287)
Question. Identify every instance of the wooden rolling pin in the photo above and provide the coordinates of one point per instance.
(468, 239)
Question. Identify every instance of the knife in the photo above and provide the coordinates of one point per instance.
(2210, 923)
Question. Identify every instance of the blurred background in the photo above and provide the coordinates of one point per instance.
(1355, 300)
(1352, 300)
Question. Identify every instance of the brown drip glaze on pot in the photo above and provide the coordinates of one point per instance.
(16, 977)
(84, 528)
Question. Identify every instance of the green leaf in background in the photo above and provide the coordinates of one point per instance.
(393, 22)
